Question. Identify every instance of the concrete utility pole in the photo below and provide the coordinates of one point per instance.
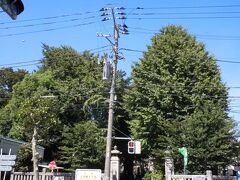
(111, 102)
(113, 83)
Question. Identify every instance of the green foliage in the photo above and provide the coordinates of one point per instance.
(28, 108)
(8, 78)
(5, 121)
(176, 97)
(153, 175)
(83, 146)
(80, 77)
(81, 96)
(24, 156)
(208, 139)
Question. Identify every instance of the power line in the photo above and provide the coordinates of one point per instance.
(24, 65)
(38, 61)
(219, 60)
(47, 23)
(47, 30)
(47, 18)
(190, 7)
(121, 132)
(180, 13)
(18, 63)
(202, 36)
(208, 37)
(224, 61)
(186, 18)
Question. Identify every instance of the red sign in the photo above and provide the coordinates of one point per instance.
(52, 165)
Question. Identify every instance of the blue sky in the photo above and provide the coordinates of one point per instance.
(75, 23)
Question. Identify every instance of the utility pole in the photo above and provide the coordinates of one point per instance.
(115, 49)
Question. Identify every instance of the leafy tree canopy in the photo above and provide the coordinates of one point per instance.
(29, 107)
(8, 78)
(83, 146)
(178, 99)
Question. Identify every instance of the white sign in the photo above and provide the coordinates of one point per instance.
(88, 174)
(5, 168)
(7, 163)
(8, 157)
(198, 177)
(137, 147)
(58, 177)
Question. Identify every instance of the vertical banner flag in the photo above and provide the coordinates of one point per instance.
(183, 151)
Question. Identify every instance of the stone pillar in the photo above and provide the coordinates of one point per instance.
(169, 166)
(209, 175)
(115, 164)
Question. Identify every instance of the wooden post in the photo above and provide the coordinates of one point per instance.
(209, 175)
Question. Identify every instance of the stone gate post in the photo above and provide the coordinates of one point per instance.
(169, 166)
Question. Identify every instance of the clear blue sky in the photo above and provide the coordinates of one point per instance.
(214, 22)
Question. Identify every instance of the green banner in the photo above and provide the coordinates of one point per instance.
(183, 152)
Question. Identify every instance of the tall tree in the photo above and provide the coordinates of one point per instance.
(81, 97)
(34, 116)
(82, 90)
(83, 146)
(178, 99)
(8, 78)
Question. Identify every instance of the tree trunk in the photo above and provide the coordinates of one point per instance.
(35, 154)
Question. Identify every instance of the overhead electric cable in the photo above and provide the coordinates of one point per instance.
(191, 7)
(219, 60)
(47, 18)
(180, 13)
(186, 18)
(22, 62)
(46, 30)
(199, 36)
(47, 23)
(121, 132)
(38, 61)
(224, 61)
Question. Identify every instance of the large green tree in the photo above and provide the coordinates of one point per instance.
(83, 92)
(8, 78)
(83, 146)
(178, 99)
(34, 117)
(84, 96)
(81, 97)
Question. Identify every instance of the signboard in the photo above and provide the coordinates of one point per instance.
(5, 168)
(58, 177)
(137, 147)
(8, 157)
(88, 174)
(7, 163)
(198, 177)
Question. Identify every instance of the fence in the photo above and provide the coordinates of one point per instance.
(42, 176)
(208, 176)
